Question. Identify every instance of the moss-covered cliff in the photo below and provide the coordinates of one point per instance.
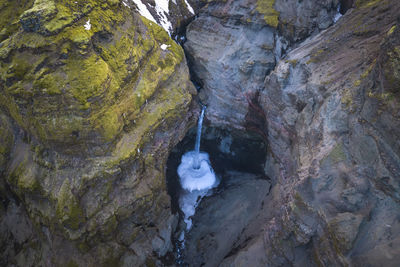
(90, 105)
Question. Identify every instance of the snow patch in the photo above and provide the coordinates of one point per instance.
(164, 46)
(87, 26)
(162, 11)
(143, 10)
(189, 7)
(125, 4)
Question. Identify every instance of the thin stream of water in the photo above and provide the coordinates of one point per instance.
(196, 177)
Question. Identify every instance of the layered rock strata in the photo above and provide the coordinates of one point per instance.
(92, 98)
(329, 111)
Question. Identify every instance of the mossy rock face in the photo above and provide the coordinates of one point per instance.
(6, 140)
(366, 3)
(266, 7)
(76, 87)
(68, 210)
(10, 12)
(93, 97)
(42, 11)
(390, 61)
(392, 70)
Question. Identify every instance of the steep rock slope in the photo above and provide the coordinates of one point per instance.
(332, 108)
(92, 97)
(329, 111)
(233, 45)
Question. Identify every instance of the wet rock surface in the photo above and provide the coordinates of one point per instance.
(221, 218)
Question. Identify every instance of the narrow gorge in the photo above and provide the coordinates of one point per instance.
(200, 133)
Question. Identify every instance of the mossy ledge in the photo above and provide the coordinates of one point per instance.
(271, 16)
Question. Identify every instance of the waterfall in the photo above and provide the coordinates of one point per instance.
(196, 176)
(196, 163)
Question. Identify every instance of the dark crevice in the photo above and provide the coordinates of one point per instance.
(345, 5)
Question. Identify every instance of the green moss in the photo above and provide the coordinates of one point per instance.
(23, 177)
(347, 98)
(391, 31)
(10, 12)
(63, 19)
(168, 107)
(266, 7)
(34, 18)
(292, 62)
(111, 262)
(42, 8)
(83, 83)
(367, 3)
(72, 263)
(48, 84)
(84, 247)
(88, 78)
(6, 140)
(18, 68)
(68, 211)
(349, 93)
(392, 70)
(110, 226)
(357, 83)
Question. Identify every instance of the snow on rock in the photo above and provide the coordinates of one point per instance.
(189, 7)
(87, 26)
(164, 46)
(162, 11)
(125, 3)
(161, 8)
(143, 10)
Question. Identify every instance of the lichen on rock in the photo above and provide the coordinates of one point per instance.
(266, 7)
(88, 117)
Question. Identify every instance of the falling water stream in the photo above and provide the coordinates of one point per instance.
(196, 177)
(196, 164)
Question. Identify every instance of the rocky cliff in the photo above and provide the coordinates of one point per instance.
(329, 110)
(95, 97)
(332, 105)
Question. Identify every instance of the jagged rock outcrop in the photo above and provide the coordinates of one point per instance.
(233, 45)
(332, 108)
(331, 111)
(92, 99)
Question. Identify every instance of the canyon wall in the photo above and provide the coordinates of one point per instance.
(94, 97)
